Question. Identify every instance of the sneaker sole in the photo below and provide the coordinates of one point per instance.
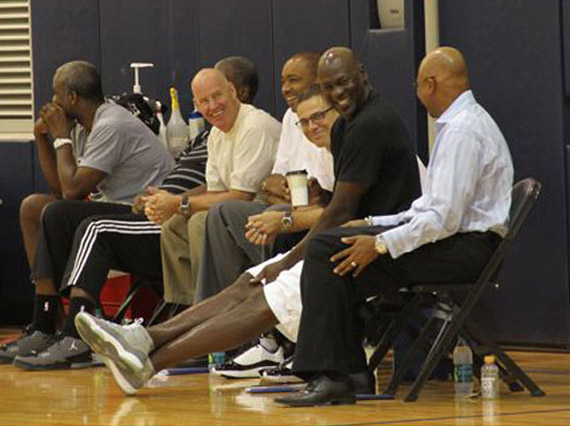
(106, 344)
(39, 367)
(120, 379)
(236, 374)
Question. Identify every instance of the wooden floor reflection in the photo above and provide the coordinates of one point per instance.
(90, 397)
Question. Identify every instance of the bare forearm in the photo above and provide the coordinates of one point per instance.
(67, 170)
(201, 189)
(46, 158)
(305, 219)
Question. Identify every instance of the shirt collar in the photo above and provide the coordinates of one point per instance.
(461, 102)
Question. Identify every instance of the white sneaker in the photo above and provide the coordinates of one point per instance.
(249, 363)
(123, 349)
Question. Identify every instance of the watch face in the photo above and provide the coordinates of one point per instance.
(287, 221)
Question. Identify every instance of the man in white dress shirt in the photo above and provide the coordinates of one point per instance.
(447, 235)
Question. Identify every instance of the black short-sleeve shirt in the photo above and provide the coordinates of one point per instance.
(374, 150)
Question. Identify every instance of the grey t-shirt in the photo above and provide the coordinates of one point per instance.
(124, 148)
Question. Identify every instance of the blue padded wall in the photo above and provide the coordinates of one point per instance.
(163, 33)
(391, 58)
(16, 180)
(62, 31)
(513, 49)
(239, 28)
(300, 25)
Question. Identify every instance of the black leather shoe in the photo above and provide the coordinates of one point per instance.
(364, 383)
(322, 391)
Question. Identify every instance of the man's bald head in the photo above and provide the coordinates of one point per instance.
(343, 78)
(215, 97)
(442, 77)
(339, 58)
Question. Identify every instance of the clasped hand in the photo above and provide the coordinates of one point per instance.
(263, 228)
(159, 205)
(58, 123)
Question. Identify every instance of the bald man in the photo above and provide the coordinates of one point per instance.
(241, 152)
(447, 235)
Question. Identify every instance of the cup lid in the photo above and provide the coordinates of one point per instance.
(296, 172)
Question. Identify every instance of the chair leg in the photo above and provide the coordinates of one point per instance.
(409, 357)
(126, 302)
(157, 312)
(511, 367)
(393, 331)
(439, 347)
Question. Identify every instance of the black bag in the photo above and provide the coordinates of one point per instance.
(140, 106)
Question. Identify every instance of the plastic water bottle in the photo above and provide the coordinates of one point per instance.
(196, 124)
(176, 129)
(489, 378)
(463, 368)
(215, 359)
(162, 129)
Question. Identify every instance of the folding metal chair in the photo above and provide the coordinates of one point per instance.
(451, 306)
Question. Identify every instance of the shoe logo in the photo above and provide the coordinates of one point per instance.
(73, 346)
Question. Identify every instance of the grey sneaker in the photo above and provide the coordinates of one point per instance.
(26, 345)
(68, 352)
(124, 349)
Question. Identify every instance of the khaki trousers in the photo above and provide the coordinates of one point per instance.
(181, 247)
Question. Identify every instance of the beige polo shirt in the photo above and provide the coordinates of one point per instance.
(243, 157)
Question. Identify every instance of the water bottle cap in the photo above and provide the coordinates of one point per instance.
(489, 359)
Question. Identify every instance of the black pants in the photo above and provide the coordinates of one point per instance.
(330, 334)
(59, 222)
(125, 242)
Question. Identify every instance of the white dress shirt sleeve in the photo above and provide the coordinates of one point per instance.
(451, 187)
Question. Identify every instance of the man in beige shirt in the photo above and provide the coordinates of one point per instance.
(241, 152)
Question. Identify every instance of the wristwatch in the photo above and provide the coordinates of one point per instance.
(59, 142)
(380, 245)
(185, 205)
(287, 221)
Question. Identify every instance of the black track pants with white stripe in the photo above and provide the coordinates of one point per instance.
(59, 223)
(124, 242)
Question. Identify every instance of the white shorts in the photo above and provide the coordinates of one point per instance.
(284, 296)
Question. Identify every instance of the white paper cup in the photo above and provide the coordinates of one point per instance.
(297, 182)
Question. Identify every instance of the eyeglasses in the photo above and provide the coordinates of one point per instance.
(316, 117)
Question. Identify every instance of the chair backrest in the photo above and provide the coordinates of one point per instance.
(524, 195)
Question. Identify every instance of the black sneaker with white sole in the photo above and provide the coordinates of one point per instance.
(249, 363)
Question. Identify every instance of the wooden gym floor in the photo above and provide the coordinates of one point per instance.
(90, 397)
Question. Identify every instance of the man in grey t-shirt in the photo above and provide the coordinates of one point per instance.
(97, 147)
(126, 151)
